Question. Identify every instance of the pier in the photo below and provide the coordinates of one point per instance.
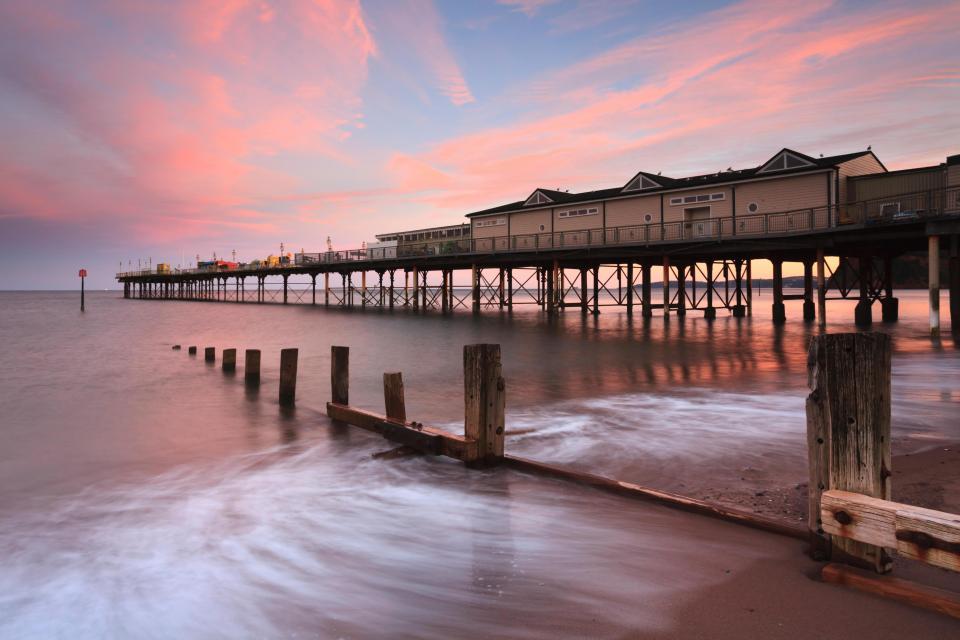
(703, 267)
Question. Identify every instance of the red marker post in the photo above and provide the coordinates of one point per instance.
(83, 275)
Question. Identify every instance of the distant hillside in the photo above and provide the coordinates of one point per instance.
(909, 272)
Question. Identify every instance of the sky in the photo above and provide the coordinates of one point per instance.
(135, 131)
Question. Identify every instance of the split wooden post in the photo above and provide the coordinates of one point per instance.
(484, 402)
(209, 354)
(340, 375)
(848, 431)
(251, 366)
(288, 376)
(393, 397)
(229, 363)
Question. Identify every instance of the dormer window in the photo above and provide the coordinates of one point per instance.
(641, 182)
(783, 161)
(537, 197)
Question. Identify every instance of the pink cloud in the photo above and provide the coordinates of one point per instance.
(527, 7)
(778, 70)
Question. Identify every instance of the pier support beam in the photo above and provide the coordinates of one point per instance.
(596, 290)
(739, 310)
(821, 289)
(285, 276)
(809, 309)
(749, 287)
(326, 289)
(584, 300)
(444, 290)
(779, 312)
(666, 286)
(889, 306)
(933, 279)
(646, 302)
(416, 288)
(630, 288)
(710, 313)
(863, 314)
(475, 288)
(953, 274)
(392, 274)
(509, 288)
(681, 290)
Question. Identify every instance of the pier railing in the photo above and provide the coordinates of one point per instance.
(889, 210)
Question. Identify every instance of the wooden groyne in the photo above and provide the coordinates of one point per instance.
(852, 523)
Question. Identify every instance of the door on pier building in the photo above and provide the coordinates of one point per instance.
(696, 223)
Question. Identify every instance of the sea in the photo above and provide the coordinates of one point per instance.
(145, 493)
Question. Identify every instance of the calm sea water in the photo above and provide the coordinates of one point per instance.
(143, 493)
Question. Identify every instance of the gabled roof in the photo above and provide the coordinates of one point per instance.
(786, 159)
(808, 164)
(644, 181)
(545, 196)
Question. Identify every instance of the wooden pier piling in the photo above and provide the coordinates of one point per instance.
(251, 366)
(288, 376)
(340, 375)
(933, 273)
(395, 406)
(229, 360)
(210, 354)
(848, 432)
(192, 351)
(484, 402)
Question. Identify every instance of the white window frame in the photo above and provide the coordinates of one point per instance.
(579, 213)
(698, 198)
(491, 222)
(890, 204)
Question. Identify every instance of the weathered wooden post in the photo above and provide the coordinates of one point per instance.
(484, 402)
(209, 354)
(288, 376)
(192, 351)
(848, 432)
(584, 300)
(666, 286)
(779, 311)
(646, 303)
(393, 397)
(809, 309)
(229, 360)
(340, 375)
(251, 366)
(821, 289)
(475, 287)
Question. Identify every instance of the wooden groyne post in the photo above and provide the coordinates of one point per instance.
(484, 402)
(229, 363)
(251, 366)
(192, 351)
(288, 376)
(340, 375)
(848, 433)
(393, 397)
(209, 354)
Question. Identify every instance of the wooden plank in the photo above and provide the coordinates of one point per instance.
(921, 534)
(673, 500)
(484, 400)
(450, 445)
(340, 375)
(393, 397)
(848, 430)
(918, 595)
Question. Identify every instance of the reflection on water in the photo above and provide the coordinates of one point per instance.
(143, 494)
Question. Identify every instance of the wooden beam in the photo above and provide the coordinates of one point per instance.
(393, 397)
(427, 439)
(918, 595)
(636, 491)
(917, 533)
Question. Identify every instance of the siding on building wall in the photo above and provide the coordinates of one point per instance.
(884, 185)
(857, 167)
(953, 175)
(632, 211)
(526, 222)
(489, 232)
(783, 194)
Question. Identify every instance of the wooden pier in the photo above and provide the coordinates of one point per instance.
(701, 270)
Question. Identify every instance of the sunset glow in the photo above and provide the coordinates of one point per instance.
(166, 130)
